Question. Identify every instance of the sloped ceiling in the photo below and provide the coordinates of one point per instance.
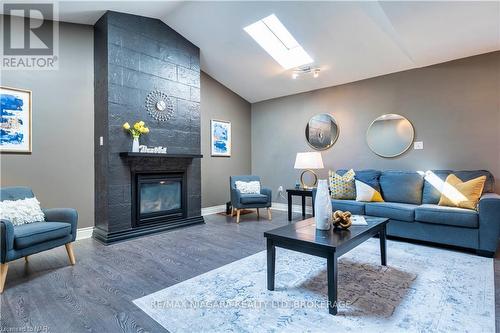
(349, 41)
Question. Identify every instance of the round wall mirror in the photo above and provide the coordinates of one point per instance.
(322, 131)
(390, 135)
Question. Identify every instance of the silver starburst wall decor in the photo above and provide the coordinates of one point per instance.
(159, 105)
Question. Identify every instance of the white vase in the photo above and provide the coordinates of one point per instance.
(135, 144)
(322, 206)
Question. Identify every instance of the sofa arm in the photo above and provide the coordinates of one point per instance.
(67, 215)
(268, 193)
(6, 238)
(489, 222)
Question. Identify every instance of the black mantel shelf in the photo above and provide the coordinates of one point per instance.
(131, 154)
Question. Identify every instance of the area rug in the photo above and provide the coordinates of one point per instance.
(423, 289)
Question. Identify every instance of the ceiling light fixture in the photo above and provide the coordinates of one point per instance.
(301, 71)
(276, 40)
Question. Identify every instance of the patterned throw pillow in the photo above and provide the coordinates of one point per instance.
(342, 187)
(252, 187)
(365, 192)
(21, 211)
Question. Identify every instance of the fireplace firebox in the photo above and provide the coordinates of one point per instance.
(159, 198)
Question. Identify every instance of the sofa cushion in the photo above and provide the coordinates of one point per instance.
(355, 207)
(489, 185)
(459, 217)
(392, 210)
(369, 176)
(433, 183)
(33, 233)
(253, 198)
(402, 186)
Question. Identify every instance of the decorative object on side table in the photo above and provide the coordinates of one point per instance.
(308, 161)
(136, 131)
(15, 120)
(322, 206)
(342, 219)
(220, 134)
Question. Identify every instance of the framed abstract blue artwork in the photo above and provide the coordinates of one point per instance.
(221, 138)
(15, 120)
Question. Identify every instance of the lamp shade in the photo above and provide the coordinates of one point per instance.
(310, 160)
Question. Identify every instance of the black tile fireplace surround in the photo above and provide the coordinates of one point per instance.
(133, 57)
(168, 185)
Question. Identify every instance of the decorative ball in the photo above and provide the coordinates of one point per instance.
(342, 219)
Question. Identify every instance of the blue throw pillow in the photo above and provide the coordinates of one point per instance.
(431, 194)
(402, 186)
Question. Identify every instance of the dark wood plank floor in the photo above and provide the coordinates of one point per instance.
(96, 295)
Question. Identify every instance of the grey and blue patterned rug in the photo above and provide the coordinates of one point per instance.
(422, 289)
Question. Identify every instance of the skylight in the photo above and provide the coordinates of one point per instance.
(273, 37)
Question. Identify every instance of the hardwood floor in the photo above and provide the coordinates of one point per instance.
(95, 295)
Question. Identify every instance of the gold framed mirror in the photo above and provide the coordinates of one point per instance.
(390, 135)
(322, 131)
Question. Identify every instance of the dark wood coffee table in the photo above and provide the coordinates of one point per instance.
(331, 244)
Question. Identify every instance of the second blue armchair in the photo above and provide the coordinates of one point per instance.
(241, 201)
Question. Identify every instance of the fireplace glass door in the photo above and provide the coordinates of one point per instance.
(159, 198)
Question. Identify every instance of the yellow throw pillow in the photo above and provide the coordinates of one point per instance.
(342, 187)
(456, 193)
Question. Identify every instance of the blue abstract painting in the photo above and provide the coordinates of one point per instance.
(15, 120)
(221, 138)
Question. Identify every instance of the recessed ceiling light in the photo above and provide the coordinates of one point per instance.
(273, 37)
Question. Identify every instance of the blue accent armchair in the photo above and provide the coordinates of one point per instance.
(241, 201)
(59, 228)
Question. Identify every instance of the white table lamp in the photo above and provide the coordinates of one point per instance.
(308, 161)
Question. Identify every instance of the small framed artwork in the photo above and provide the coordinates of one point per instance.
(220, 132)
(15, 120)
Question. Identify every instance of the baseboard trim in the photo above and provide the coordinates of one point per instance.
(295, 208)
(213, 210)
(84, 233)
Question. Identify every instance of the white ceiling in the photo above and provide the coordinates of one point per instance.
(349, 41)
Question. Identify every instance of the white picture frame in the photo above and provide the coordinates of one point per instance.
(220, 138)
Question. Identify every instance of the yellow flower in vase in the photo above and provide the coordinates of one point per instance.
(126, 126)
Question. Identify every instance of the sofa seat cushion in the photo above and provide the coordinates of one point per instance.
(392, 210)
(355, 207)
(253, 198)
(459, 217)
(30, 234)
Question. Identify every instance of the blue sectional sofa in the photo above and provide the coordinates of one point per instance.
(411, 204)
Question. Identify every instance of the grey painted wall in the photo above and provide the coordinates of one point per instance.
(60, 169)
(218, 102)
(454, 108)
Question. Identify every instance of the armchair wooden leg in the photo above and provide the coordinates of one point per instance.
(237, 215)
(258, 214)
(71, 255)
(3, 275)
(26, 259)
(269, 216)
(232, 211)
